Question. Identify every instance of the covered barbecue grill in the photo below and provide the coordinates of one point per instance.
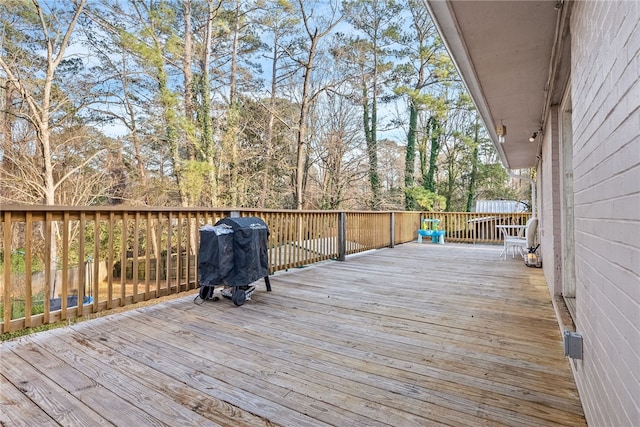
(233, 253)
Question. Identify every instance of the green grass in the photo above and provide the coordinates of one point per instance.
(27, 331)
(37, 307)
(18, 311)
(17, 260)
(18, 306)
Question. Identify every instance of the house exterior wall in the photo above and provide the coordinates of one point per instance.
(549, 190)
(605, 70)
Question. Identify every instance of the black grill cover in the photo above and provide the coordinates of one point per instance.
(215, 255)
(250, 252)
(233, 252)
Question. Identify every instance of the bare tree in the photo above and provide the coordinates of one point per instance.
(338, 153)
(48, 149)
(280, 21)
(38, 93)
(315, 31)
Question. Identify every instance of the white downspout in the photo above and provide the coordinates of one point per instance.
(533, 190)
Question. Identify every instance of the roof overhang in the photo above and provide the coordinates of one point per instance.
(503, 51)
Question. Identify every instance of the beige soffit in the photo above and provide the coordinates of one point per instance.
(503, 50)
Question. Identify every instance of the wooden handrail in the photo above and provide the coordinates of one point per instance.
(65, 262)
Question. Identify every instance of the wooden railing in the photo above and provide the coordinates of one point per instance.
(60, 263)
(476, 227)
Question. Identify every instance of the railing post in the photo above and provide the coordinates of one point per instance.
(342, 236)
(392, 230)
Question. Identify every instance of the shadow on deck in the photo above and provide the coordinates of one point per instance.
(411, 336)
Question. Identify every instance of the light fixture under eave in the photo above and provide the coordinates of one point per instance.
(535, 135)
(501, 131)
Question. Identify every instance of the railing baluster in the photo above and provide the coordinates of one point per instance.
(95, 283)
(289, 240)
(28, 267)
(158, 254)
(110, 262)
(81, 265)
(7, 226)
(47, 266)
(135, 249)
(147, 256)
(123, 260)
(168, 247)
(179, 262)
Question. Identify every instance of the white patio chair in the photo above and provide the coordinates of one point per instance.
(522, 242)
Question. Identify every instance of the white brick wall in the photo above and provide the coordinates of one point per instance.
(605, 80)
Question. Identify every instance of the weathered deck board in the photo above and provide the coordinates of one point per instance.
(411, 336)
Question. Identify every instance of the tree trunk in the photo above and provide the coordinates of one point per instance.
(451, 182)
(410, 156)
(234, 113)
(429, 182)
(205, 110)
(372, 147)
(301, 142)
(307, 65)
(171, 133)
(187, 60)
(270, 124)
(372, 142)
(40, 115)
(471, 191)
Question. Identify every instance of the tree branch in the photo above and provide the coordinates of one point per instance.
(35, 109)
(81, 165)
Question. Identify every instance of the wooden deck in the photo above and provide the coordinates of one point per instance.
(412, 336)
